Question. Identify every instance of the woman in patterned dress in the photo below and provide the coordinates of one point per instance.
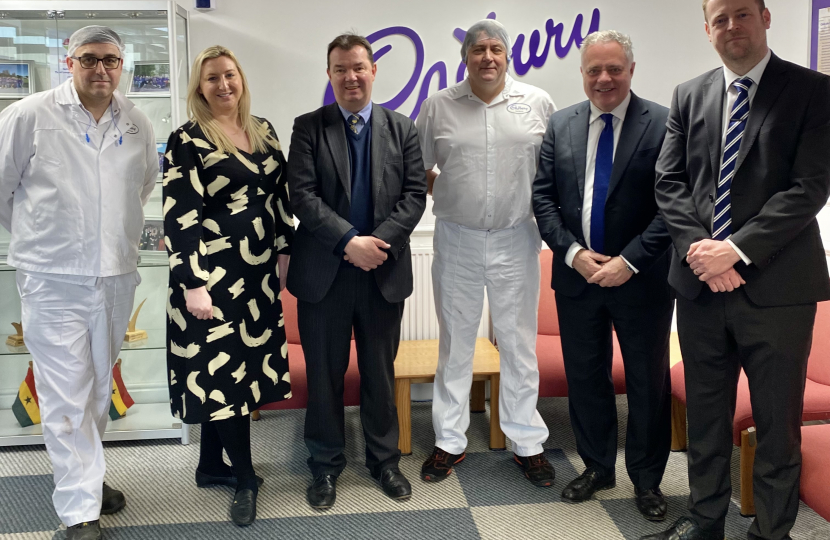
(228, 233)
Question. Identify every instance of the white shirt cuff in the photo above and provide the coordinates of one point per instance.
(630, 265)
(740, 253)
(572, 251)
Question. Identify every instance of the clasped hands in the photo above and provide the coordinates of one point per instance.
(601, 269)
(713, 261)
(365, 252)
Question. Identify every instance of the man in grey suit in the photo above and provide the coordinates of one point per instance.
(594, 203)
(358, 186)
(742, 174)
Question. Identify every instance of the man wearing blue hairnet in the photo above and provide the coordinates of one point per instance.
(77, 163)
(484, 135)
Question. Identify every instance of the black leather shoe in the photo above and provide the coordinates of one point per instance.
(586, 484)
(651, 503)
(243, 508)
(88, 530)
(205, 480)
(684, 529)
(112, 500)
(394, 484)
(322, 492)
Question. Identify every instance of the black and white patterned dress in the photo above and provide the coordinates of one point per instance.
(226, 218)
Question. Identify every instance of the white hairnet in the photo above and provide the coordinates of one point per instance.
(94, 34)
(492, 30)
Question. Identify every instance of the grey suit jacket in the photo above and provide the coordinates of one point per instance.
(781, 182)
(320, 188)
(633, 225)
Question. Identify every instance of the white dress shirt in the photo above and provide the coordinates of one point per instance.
(595, 126)
(74, 206)
(729, 97)
(487, 153)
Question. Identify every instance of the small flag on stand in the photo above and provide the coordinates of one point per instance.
(25, 407)
(121, 400)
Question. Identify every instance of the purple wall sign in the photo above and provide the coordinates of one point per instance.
(817, 5)
(534, 57)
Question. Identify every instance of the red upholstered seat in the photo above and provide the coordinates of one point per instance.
(816, 391)
(552, 382)
(815, 468)
(296, 364)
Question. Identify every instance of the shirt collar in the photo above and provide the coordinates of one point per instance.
(618, 112)
(755, 73)
(463, 89)
(365, 113)
(67, 95)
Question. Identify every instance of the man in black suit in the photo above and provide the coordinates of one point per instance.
(358, 186)
(742, 174)
(594, 203)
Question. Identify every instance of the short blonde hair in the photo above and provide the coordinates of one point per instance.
(198, 110)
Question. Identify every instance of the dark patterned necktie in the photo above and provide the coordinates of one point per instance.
(722, 223)
(353, 120)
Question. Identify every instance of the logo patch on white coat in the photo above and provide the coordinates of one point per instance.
(133, 130)
(518, 108)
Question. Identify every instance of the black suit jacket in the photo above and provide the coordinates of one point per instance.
(782, 180)
(633, 225)
(320, 188)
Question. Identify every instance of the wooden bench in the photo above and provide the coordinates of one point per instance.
(416, 363)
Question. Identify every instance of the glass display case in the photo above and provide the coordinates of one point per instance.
(34, 36)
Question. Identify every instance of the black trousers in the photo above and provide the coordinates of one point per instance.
(720, 333)
(353, 301)
(585, 324)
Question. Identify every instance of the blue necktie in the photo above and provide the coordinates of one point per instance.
(602, 175)
(722, 223)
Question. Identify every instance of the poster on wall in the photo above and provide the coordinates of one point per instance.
(820, 36)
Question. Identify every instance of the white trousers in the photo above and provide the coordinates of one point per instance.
(74, 333)
(506, 262)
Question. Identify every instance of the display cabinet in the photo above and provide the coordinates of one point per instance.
(34, 36)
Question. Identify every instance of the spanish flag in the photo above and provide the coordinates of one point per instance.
(121, 400)
(25, 406)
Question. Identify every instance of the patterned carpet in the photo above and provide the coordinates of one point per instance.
(486, 499)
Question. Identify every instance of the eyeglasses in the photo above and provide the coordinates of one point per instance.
(91, 62)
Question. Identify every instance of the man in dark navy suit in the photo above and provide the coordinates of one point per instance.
(594, 203)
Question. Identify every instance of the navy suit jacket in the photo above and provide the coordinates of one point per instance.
(633, 225)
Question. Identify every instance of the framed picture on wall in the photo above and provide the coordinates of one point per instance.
(150, 79)
(152, 237)
(16, 78)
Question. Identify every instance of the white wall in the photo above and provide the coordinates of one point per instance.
(282, 45)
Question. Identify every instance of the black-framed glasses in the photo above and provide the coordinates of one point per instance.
(91, 62)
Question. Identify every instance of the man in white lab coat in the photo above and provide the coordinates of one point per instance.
(77, 164)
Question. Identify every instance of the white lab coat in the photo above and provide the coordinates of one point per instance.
(72, 207)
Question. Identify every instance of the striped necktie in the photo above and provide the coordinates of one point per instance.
(722, 224)
(353, 120)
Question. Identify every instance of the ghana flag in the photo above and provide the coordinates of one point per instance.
(25, 406)
(121, 400)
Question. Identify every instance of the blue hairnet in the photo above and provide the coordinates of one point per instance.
(94, 34)
(492, 30)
